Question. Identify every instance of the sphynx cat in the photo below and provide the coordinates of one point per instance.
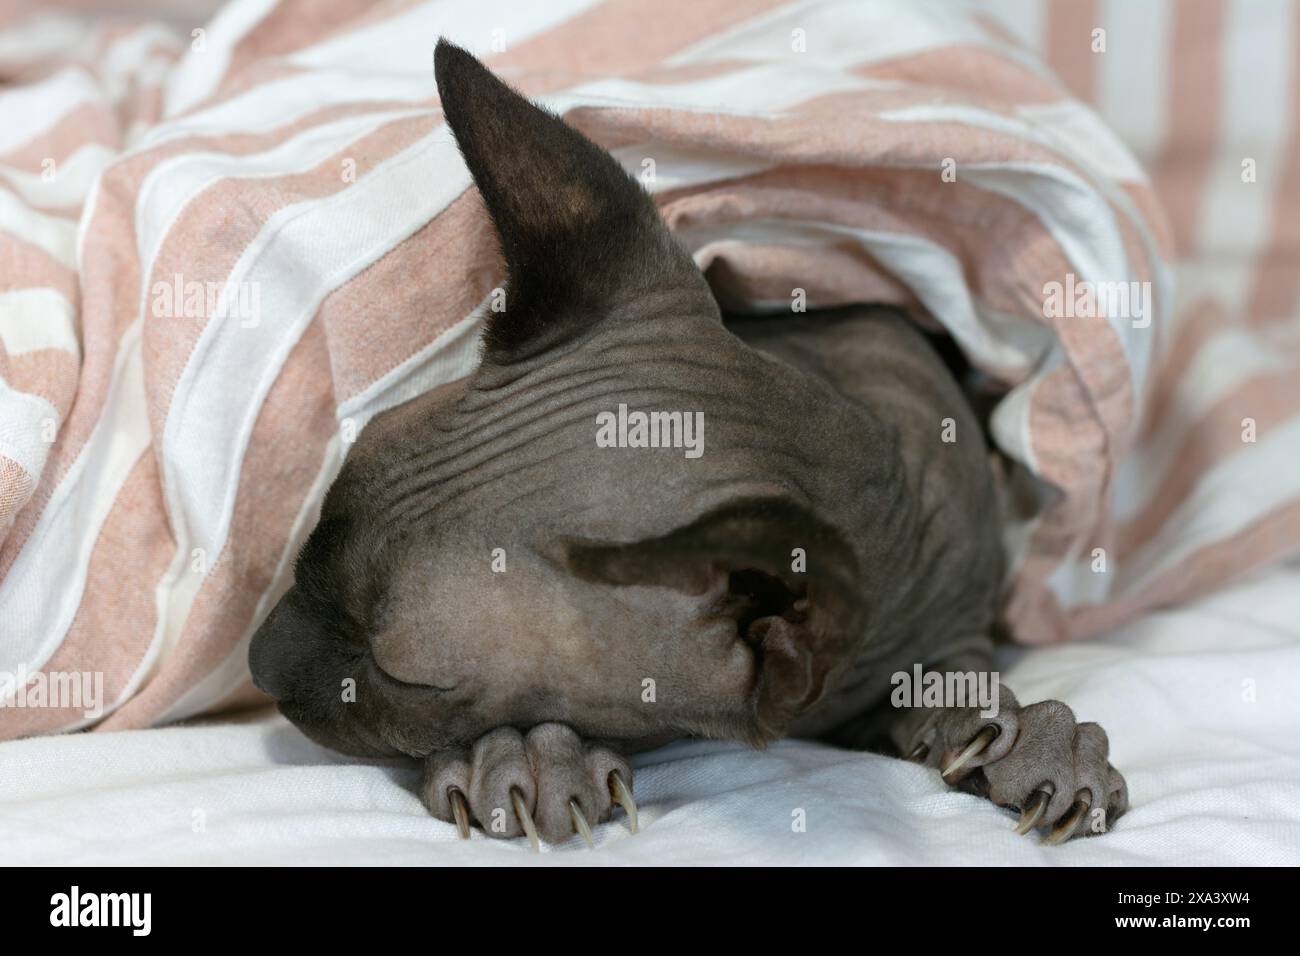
(521, 606)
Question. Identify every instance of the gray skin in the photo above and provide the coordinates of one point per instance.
(645, 596)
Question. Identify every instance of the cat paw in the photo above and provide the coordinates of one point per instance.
(546, 785)
(1037, 760)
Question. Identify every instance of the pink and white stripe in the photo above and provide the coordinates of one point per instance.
(158, 473)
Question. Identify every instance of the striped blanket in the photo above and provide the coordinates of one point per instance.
(223, 250)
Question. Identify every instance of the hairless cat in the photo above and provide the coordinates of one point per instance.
(520, 605)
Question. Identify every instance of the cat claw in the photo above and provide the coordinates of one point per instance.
(525, 819)
(1035, 809)
(580, 824)
(919, 753)
(622, 794)
(459, 810)
(1065, 829)
(973, 749)
(1037, 761)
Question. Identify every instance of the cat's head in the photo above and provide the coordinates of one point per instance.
(626, 520)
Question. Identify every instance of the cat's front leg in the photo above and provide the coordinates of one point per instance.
(1037, 758)
(548, 783)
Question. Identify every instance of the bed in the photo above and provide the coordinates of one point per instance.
(1200, 702)
(115, 558)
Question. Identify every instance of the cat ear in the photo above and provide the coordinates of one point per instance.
(578, 233)
(789, 581)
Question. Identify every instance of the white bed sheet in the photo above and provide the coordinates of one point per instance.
(1202, 705)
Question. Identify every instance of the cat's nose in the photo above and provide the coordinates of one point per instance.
(276, 650)
(263, 661)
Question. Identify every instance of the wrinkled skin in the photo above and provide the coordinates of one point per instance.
(521, 609)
